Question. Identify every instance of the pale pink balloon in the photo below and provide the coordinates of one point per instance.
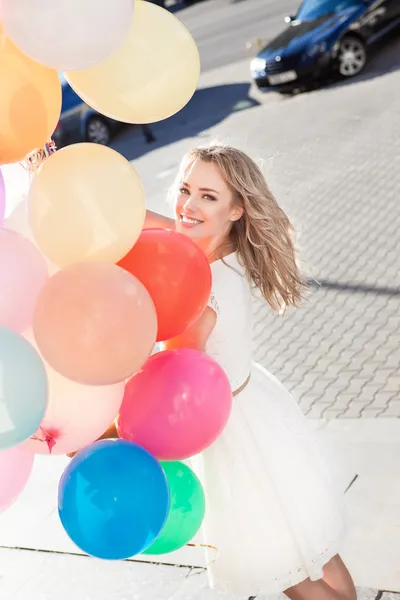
(2, 191)
(77, 414)
(23, 273)
(15, 468)
(18, 221)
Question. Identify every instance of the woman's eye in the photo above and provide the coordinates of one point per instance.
(208, 197)
(183, 191)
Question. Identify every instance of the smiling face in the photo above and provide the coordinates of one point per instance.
(205, 208)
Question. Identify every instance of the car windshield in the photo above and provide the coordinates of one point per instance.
(315, 9)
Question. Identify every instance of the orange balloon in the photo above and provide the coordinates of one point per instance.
(30, 103)
(95, 323)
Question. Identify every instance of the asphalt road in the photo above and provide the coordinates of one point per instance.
(222, 28)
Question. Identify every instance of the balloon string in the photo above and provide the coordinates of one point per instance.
(200, 570)
(34, 159)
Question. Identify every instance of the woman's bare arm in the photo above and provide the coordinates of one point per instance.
(154, 220)
(195, 336)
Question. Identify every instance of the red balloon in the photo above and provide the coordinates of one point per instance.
(177, 405)
(177, 275)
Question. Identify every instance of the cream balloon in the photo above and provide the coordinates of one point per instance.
(67, 34)
(151, 76)
(86, 203)
(76, 415)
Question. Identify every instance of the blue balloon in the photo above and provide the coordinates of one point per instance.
(23, 389)
(113, 499)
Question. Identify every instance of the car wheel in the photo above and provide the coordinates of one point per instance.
(98, 131)
(352, 56)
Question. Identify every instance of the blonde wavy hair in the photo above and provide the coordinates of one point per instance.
(263, 237)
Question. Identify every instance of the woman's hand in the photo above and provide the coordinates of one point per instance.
(110, 433)
(195, 336)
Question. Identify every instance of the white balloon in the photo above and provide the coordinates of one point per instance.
(67, 35)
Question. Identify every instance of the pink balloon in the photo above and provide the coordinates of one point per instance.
(177, 405)
(77, 414)
(2, 194)
(15, 468)
(18, 221)
(23, 273)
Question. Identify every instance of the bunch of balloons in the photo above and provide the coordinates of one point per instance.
(86, 291)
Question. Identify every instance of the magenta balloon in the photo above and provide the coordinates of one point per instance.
(15, 468)
(177, 405)
(2, 198)
(23, 273)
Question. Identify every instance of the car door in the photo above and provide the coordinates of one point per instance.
(71, 112)
(382, 14)
(393, 10)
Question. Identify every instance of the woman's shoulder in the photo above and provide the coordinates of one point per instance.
(228, 267)
(229, 281)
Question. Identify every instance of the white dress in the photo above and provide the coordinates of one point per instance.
(272, 510)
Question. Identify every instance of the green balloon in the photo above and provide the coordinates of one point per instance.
(186, 512)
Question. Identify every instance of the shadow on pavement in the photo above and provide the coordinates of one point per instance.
(207, 108)
(357, 288)
(181, 5)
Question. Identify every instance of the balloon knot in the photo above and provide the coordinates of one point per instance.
(46, 437)
(34, 159)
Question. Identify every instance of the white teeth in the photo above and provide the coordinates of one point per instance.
(189, 221)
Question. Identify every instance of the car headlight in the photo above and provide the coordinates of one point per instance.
(316, 49)
(258, 65)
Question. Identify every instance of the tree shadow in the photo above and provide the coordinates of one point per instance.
(208, 107)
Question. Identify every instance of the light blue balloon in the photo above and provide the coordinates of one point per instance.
(23, 389)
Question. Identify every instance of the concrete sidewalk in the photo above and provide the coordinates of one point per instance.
(363, 453)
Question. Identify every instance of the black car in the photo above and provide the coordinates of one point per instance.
(324, 36)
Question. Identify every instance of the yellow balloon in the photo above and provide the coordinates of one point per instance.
(152, 75)
(86, 203)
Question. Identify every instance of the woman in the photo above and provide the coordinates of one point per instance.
(272, 510)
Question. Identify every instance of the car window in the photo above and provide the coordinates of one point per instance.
(314, 9)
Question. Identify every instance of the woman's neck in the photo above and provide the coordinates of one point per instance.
(215, 249)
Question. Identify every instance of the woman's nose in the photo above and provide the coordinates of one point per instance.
(190, 204)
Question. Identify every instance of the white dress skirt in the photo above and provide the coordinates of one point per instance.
(272, 508)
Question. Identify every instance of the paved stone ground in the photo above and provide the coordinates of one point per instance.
(332, 157)
(340, 176)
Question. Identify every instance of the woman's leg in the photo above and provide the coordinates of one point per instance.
(337, 584)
